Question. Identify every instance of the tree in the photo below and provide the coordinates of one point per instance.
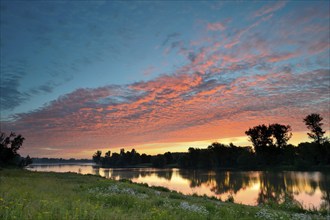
(168, 157)
(281, 133)
(158, 161)
(107, 154)
(260, 136)
(25, 161)
(106, 160)
(9, 146)
(97, 157)
(313, 123)
(136, 158)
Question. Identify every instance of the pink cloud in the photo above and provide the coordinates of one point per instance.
(269, 8)
(169, 108)
(217, 26)
(148, 71)
(319, 46)
(283, 56)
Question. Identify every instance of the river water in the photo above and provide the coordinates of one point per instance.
(310, 189)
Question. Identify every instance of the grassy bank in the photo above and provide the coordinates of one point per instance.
(32, 195)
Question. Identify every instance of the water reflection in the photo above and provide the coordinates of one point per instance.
(310, 189)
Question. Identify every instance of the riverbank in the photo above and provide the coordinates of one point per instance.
(36, 195)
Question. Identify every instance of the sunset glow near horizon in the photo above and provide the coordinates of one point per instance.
(78, 76)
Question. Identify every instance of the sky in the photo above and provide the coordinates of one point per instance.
(158, 76)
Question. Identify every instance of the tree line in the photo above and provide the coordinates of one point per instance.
(133, 158)
(270, 149)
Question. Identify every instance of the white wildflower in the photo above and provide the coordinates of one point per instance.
(266, 214)
(142, 196)
(167, 204)
(301, 216)
(114, 189)
(193, 208)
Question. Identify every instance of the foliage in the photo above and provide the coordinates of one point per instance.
(281, 134)
(97, 156)
(9, 146)
(260, 136)
(159, 161)
(216, 156)
(313, 123)
(132, 158)
(314, 153)
(269, 142)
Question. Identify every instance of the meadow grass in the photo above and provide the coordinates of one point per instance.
(36, 195)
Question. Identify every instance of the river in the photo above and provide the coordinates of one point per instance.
(310, 189)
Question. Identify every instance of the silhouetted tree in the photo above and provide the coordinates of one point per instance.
(97, 157)
(260, 136)
(25, 161)
(9, 146)
(183, 161)
(281, 133)
(289, 154)
(108, 154)
(158, 161)
(313, 123)
(246, 158)
(308, 154)
(145, 158)
(106, 160)
(115, 159)
(136, 158)
(168, 157)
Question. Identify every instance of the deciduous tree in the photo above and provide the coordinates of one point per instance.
(9, 146)
(97, 157)
(281, 133)
(313, 123)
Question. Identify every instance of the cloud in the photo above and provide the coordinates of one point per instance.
(11, 97)
(11, 76)
(173, 107)
(270, 8)
(12, 81)
(283, 56)
(148, 71)
(170, 37)
(319, 46)
(217, 26)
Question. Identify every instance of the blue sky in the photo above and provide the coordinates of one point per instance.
(105, 66)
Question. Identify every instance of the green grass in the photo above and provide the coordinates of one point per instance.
(35, 195)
